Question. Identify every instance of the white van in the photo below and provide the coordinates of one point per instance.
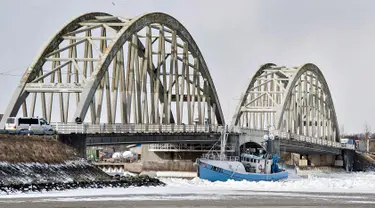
(37, 125)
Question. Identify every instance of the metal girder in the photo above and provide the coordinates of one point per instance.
(246, 109)
(97, 63)
(54, 87)
(288, 100)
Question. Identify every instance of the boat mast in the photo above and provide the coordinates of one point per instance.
(223, 142)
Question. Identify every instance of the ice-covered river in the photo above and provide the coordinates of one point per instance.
(348, 187)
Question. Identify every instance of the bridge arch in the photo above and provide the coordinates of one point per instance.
(293, 100)
(238, 113)
(149, 67)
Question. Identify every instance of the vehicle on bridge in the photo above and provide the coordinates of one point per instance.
(28, 125)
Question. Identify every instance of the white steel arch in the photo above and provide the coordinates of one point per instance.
(292, 100)
(149, 67)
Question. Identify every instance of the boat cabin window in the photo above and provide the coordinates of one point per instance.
(251, 160)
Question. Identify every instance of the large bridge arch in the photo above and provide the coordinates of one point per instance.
(149, 67)
(293, 100)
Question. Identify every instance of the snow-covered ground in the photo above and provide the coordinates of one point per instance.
(340, 183)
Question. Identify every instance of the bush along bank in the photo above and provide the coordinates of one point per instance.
(123, 182)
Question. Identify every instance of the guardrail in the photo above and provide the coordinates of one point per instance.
(167, 147)
(69, 128)
(253, 132)
(296, 137)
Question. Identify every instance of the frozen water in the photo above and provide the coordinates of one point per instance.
(341, 183)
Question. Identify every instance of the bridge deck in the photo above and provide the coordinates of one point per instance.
(70, 128)
(138, 138)
(110, 134)
(293, 142)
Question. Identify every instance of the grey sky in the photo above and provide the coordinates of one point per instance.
(235, 37)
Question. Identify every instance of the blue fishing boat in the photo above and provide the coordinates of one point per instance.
(257, 165)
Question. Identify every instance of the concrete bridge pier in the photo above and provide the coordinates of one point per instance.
(348, 159)
(321, 160)
(234, 141)
(345, 160)
(168, 160)
(77, 141)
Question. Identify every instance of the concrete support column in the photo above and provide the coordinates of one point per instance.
(348, 159)
(303, 161)
(275, 146)
(77, 141)
(339, 161)
(168, 161)
(235, 142)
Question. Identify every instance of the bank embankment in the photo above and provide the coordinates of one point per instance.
(36, 159)
(35, 163)
(364, 162)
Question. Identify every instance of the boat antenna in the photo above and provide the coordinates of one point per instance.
(223, 142)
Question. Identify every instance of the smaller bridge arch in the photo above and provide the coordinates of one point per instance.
(293, 100)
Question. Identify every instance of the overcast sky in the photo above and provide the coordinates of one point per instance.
(235, 37)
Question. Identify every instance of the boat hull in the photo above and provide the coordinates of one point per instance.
(212, 173)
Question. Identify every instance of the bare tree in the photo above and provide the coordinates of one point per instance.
(342, 131)
(367, 134)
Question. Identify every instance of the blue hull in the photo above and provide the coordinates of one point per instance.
(211, 173)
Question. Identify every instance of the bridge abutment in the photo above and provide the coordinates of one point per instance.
(77, 141)
(321, 160)
(312, 160)
(168, 161)
(345, 160)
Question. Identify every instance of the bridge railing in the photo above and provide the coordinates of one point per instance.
(167, 147)
(253, 132)
(69, 128)
(313, 140)
(237, 129)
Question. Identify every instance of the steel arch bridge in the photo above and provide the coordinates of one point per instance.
(293, 100)
(101, 68)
